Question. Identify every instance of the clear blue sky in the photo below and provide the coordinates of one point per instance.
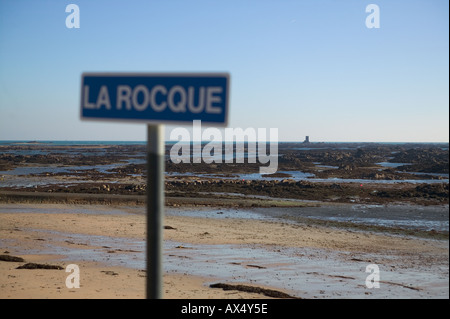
(308, 67)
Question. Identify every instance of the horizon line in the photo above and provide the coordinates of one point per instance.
(227, 141)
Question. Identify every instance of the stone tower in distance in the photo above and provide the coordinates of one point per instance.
(306, 140)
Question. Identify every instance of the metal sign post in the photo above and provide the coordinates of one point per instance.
(155, 209)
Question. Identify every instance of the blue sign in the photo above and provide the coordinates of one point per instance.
(155, 98)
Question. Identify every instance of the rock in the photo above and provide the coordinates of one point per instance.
(39, 266)
(110, 272)
(11, 258)
(266, 292)
(335, 186)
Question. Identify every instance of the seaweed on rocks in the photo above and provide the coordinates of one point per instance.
(39, 266)
(11, 258)
(245, 288)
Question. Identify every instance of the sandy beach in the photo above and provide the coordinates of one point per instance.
(334, 220)
(304, 261)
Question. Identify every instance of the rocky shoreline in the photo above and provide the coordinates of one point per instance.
(372, 207)
(422, 194)
(349, 173)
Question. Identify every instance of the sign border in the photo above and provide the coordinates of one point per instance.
(156, 74)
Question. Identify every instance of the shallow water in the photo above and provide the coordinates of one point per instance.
(301, 176)
(398, 216)
(22, 176)
(307, 273)
(61, 209)
(55, 169)
(302, 272)
(410, 217)
(392, 165)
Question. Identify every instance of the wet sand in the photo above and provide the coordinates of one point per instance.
(309, 237)
(301, 259)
